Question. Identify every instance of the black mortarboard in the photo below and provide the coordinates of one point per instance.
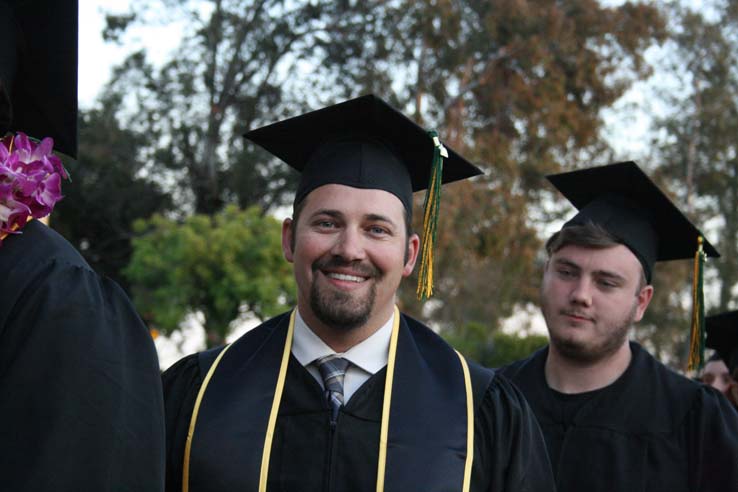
(722, 335)
(625, 202)
(363, 143)
(366, 143)
(38, 70)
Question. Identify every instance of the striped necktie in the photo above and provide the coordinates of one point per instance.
(333, 368)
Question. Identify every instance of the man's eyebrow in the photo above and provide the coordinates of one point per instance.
(337, 214)
(610, 275)
(566, 262)
(600, 273)
(327, 211)
(380, 218)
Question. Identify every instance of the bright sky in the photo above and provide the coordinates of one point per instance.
(97, 57)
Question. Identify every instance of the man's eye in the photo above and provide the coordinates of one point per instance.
(608, 284)
(565, 273)
(378, 230)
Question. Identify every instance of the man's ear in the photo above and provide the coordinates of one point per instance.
(644, 297)
(287, 239)
(413, 246)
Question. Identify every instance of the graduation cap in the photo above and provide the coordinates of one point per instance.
(38, 70)
(621, 199)
(625, 202)
(366, 143)
(722, 335)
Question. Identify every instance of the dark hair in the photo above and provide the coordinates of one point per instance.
(588, 235)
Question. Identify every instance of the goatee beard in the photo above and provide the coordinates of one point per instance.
(341, 310)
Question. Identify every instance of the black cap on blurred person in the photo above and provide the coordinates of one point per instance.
(38, 70)
(722, 335)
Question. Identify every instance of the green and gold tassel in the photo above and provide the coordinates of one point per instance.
(431, 208)
(697, 338)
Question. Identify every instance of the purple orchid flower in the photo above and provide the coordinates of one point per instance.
(30, 181)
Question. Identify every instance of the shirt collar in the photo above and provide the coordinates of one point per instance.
(370, 355)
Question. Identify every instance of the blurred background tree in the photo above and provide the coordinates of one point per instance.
(493, 350)
(226, 267)
(519, 87)
(695, 153)
(231, 72)
(107, 193)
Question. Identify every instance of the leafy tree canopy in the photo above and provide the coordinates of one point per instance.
(224, 266)
(493, 348)
(107, 194)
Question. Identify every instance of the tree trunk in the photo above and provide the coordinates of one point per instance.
(729, 242)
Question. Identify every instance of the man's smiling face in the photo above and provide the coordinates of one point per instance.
(350, 251)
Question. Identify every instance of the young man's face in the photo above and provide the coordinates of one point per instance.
(349, 255)
(716, 375)
(590, 298)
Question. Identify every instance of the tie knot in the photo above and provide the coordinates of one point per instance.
(332, 367)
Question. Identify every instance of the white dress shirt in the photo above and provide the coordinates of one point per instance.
(366, 357)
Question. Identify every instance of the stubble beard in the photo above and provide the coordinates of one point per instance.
(588, 352)
(342, 311)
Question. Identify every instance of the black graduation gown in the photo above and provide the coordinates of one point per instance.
(651, 430)
(308, 456)
(80, 394)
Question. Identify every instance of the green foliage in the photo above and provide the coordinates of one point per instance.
(222, 266)
(115, 26)
(493, 349)
(106, 194)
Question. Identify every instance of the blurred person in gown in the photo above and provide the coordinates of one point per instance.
(81, 406)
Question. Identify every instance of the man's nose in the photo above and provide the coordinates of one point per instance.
(581, 292)
(349, 245)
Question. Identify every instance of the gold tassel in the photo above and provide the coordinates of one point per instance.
(431, 208)
(697, 337)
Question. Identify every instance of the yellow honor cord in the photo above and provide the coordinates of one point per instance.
(430, 219)
(469, 424)
(697, 335)
(267, 452)
(269, 437)
(384, 429)
(193, 420)
(386, 404)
